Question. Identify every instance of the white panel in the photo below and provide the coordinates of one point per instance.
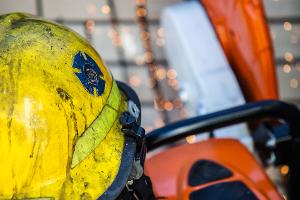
(7, 6)
(193, 49)
(282, 8)
(207, 80)
(73, 9)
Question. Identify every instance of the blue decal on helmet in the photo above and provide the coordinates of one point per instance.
(90, 74)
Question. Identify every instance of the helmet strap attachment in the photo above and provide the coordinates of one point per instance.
(132, 129)
(138, 186)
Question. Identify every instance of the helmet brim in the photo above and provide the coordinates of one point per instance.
(129, 152)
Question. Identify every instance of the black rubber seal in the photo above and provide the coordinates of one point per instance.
(205, 171)
(235, 190)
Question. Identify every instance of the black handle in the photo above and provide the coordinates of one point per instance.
(205, 123)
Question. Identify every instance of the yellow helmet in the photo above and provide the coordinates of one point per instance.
(61, 136)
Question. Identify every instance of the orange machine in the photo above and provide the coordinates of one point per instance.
(208, 164)
(244, 34)
(223, 168)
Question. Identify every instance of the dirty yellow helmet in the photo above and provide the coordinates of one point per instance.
(61, 136)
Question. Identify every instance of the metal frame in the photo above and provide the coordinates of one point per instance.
(205, 123)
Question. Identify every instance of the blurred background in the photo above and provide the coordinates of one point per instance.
(131, 38)
(128, 45)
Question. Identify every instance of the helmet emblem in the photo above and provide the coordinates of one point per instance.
(90, 74)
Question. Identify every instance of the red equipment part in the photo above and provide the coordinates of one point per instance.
(244, 34)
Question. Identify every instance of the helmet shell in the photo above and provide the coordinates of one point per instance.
(60, 134)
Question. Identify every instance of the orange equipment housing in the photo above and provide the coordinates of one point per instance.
(170, 170)
(243, 31)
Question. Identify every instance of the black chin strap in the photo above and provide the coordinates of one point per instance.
(139, 186)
